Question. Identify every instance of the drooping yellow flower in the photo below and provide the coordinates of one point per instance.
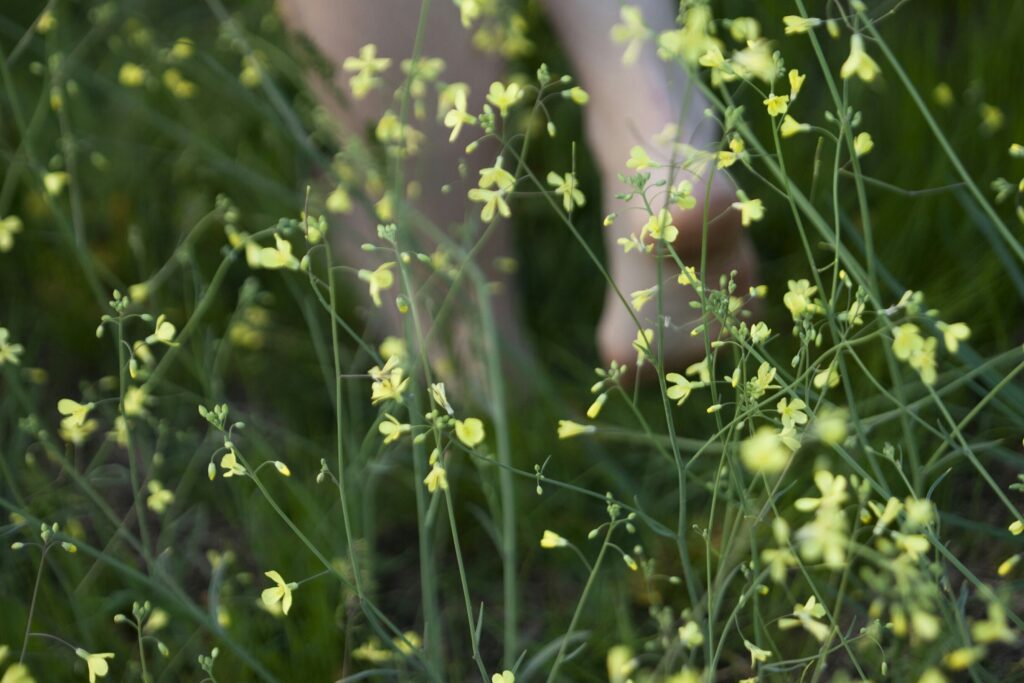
(859, 63)
(388, 382)
(391, 429)
(163, 332)
(96, 662)
(436, 479)
(76, 412)
(470, 431)
(552, 540)
(756, 654)
(230, 464)
(567, 429)
(796, 81)
(281, 592)
(791, 127)
(795, 24)
(681, 387)
(378, 280)
(807, 616)
(750, 209)
(457, 116)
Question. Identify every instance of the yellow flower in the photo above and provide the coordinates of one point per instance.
(690, 635)
(458, 116)
(863, 143)
(497, 177)
(764, 452)
(807, 616)
(595, 408)
(798, 299)
(470, 431)
(943, 95)
(436, 479)
(96, 662)
(159, 498)
(776, 104)
(568, 429)
(76, 412)
(493, 200)
(503, 97)
(388, 382)
(963, 657)
(9, 351)
(135, 399)
(505, 676)
(276, 257)
(795, 24)
(638, 159)
(796, 81)
(660, 226)
(565, 186)
(859, 63)
(791, 412)
(9, 227)
(953, 334)
(728, 157)
(791, 127)
(378, 280)
(1016, 527)
(632, 31)
(552, 540)
(282, 592)
(163, 332)
(230, 464)
(993, 629)
(17, 673)
(681, 387)
(756, 653)
(829, 377)
(55, 181)
(131, 75)
(750, 209)
(367, 66)
(391, 429)
(642, 344)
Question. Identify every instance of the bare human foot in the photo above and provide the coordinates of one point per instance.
(729, 252)
(631, 105)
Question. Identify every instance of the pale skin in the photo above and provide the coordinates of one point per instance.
(629, 105)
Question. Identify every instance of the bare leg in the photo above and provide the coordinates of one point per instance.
(339, 28)
(630, 105)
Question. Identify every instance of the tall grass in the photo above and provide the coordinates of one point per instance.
(233, 477)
